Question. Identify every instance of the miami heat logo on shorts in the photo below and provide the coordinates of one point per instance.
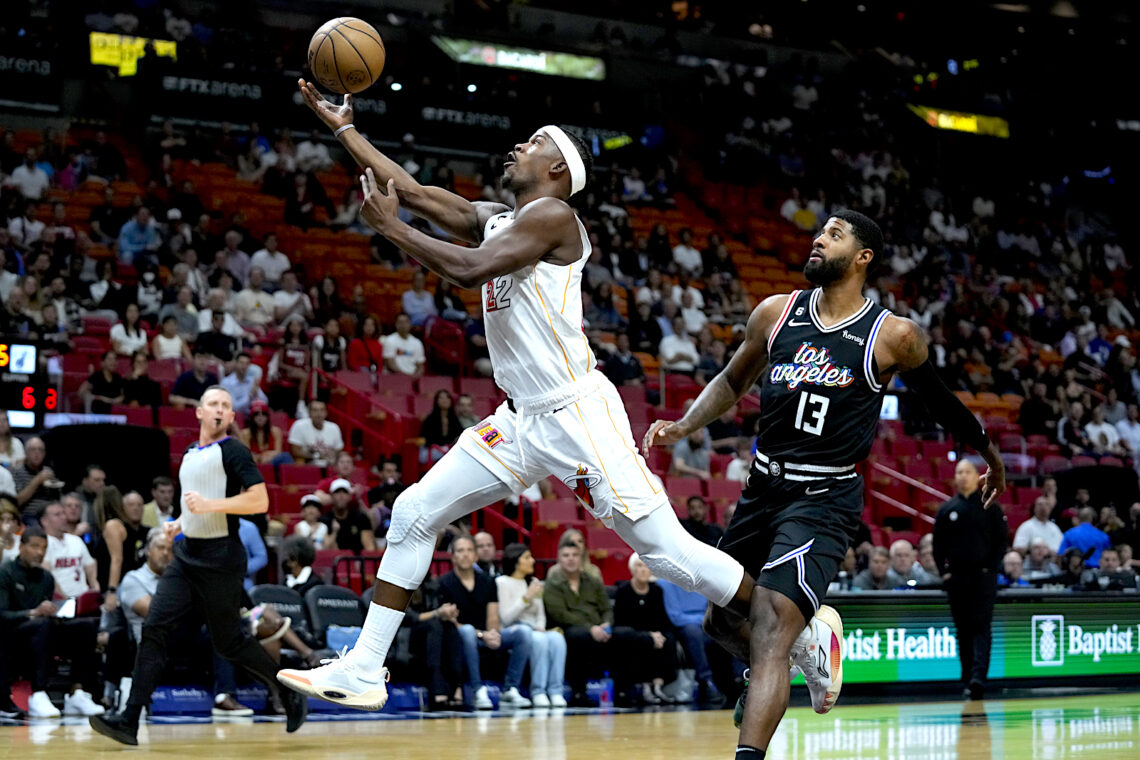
(490, 435)
(581, 482)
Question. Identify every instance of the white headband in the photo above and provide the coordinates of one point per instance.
(570, 154)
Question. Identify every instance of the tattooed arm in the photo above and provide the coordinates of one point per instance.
(731, 384)
(905, 349)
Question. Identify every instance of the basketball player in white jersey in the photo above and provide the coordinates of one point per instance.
(562, 417)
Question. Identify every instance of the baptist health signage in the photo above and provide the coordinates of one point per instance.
(1052, 639)
(1050, 636)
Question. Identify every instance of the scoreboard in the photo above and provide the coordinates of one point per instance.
(25, 393)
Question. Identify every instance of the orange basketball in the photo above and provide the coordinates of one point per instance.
(346, 55)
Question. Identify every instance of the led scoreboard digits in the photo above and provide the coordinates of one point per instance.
(24, 390)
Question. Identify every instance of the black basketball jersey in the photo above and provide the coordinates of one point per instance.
(820, 398)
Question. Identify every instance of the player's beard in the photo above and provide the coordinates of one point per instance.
(826, 271)
(512, 183)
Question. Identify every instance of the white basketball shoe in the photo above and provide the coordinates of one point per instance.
(821, 659)
(340, 681)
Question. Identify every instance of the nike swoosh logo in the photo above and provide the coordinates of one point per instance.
(794, 323)
(810, 492)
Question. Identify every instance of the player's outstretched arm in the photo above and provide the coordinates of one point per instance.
(454, 214)
(543, 230)
(909, 356)
(733, 382)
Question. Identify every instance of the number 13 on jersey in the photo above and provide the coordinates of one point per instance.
(815, 409)
(498, 292)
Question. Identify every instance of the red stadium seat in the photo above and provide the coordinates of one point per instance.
(301, 474)
(479, 387)
(557, 511)
(169, 417)
(683, 487)
(936, 449)
(723, 489)
(1026, 495)
(718, 463)
(432, 384)
(268, 473)
(1054, 463)
(904, 447)
(1111, 462)
(140, 416)
(1080, 461)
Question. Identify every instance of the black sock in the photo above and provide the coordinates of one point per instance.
(747, 752)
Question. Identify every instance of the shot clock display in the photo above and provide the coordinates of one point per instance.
(24, 389)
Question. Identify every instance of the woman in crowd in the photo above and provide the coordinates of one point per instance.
(448, 304)
(436, 642)
(329, 349)
(168, 344)
(327, 303)
(640, 605)
(440, 429)
(520, 601)
(294, 363)
(264, 439)
(123, 546)
(128, 335)
(11, 447)
(366, 351)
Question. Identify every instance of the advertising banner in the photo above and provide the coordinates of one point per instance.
(1046, 637)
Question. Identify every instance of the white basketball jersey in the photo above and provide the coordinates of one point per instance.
(533, 321)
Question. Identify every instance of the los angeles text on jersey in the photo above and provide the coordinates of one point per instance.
(812, 366)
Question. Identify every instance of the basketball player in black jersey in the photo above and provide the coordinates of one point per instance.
(826, 355)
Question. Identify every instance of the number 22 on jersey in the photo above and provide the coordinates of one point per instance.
(498, 292)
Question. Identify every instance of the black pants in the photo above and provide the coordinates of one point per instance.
(36, 641)
(203, 582)
(647, 662)
(972, 607)
(586, 658)
(442, 652)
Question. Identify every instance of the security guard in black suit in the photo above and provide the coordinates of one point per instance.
(969, 543)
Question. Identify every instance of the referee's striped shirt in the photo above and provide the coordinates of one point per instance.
(216, 471)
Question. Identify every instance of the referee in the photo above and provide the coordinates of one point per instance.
(969, 543)
(205, 578)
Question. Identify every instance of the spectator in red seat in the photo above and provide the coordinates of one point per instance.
(11, 447)
(343, 468)
(10, 527)
(161, 508)
(29, 179)
(106, 219)
(104, 387)
(254, 307)
(697, 522)
(128, 335)
(244, 383)
(327, 301)
(107, 299)
(725, 431)
(1104, 437)
(382, 497)
(477, 352)
(1070, 433)
(875, 577)
(139, 239)
(315, 439)
(329, 349)
(310, 527)
(34, 635)
(418, 303)
(168, 344)
(26, 230)
(404, 352)
(639, 605)
(691, 455)
(623, 368)
(440, 428)
(1038, 526)
(237, 260)
(217, 343)
(294, 365)
(192, 383)
(290, 301)
(448, 305)
(184, 312)
(138, 388)
(264, 440)
(366, 351)
(216, 304)
(349, 528)
(678, 352)
(300, 203)
(123, 544)
(67, 558)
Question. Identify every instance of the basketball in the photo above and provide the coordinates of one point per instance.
(346, 55)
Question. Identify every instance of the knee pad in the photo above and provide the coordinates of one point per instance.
(406, 513)
(663, 567)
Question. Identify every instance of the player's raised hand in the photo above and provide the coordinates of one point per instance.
(661, 433)
(378, 209)
(332, 115)
(992, 485)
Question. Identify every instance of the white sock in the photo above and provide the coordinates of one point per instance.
(379, 632)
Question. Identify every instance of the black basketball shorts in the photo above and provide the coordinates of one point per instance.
(791, 536)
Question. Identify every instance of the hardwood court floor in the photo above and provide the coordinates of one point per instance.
(1096, 726)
